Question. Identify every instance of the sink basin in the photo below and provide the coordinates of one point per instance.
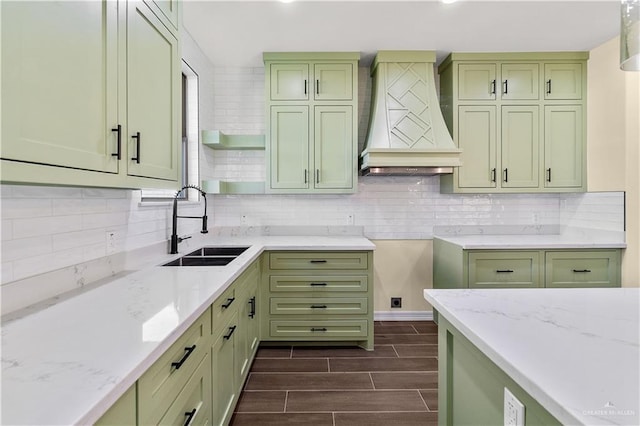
(218, 251)
(208, 256)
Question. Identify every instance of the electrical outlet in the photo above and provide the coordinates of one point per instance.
(111, 237)
(396, 302)
(350, 219)
(513, 410)
(243, 219)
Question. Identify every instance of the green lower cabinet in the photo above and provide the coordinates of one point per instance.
(455, 267)
(224, 382)
(471, 387)
(123, 412)
(583, 269)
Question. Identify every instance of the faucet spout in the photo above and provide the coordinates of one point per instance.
(175, 240)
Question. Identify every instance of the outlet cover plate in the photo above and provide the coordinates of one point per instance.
(513, 410)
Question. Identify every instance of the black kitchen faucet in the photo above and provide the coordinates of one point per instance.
(175, 240)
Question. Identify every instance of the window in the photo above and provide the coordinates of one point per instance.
(189, 147)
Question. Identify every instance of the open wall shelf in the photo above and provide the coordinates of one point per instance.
(215, 139)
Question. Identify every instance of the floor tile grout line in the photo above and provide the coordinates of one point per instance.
(372, 382)
(423, 400)
(286, 399)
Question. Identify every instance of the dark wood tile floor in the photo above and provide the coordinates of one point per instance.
(396, 384)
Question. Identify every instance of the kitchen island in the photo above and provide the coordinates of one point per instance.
(70, 362)
(571, 356)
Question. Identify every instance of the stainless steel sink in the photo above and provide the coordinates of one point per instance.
(208, 256)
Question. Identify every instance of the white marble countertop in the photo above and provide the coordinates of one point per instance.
(536, 241)
(576, 351)
(68, 363)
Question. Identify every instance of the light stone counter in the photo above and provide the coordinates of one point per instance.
(68, 363)
(535, 242)
(575, 351)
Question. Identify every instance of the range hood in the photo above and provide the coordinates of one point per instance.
(407, 132)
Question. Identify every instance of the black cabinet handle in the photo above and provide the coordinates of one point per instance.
(317, 175)
(318, 329)
(506, 87)
(187, 352)
(493, 174)
(506, 175)
(582, 270)
(318, 306)
(318, 284)
(504, 271)
(137, 157)
(189, 415)
(317, 87)
(228, 336)
(549, 86)
(252, 304)
(305, 86)
(118, 129)
(549, 174)
(306, 176)
(493, 87)
(318, 261)
(228, 302)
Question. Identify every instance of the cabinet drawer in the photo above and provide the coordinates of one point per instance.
(504, 269)
(162, 382)
(193, 404)
(582, 269)
(318, 260)
(223, 305)
(319, 330)
(317, 305)
(316, 283)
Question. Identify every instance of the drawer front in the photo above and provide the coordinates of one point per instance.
(161, 383)
(582, 269)
(504, 269)
(318, 330)
(223, 305)
(317, 305)
(193, 404)
(318, 260)
(317, 283)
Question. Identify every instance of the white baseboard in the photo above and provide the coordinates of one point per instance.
(403, 316)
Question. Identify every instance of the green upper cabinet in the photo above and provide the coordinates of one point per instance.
(477, 82)
(311, 139)
(519, 119)
(168, 11)
(79, 81)
(563, 150)
(57, 110)
(153, 95)
(520, 146)
(520, 81)
(563, 81)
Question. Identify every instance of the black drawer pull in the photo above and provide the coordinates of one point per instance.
(504, 271)
(318, 306)
(318, 329)
(493, 87)
(582, 270)
(252, 304)
(228, 336)
(318, 261)
(187, 352)
(318, 284)
(228, 303)
(189, 415)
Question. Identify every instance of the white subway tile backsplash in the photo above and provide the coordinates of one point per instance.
(31, 227)
(21, 208)
(24, 248)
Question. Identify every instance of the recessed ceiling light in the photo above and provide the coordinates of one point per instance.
(448, 1)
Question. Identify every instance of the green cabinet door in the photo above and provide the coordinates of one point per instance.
(333, 147)
(289, 147)
(57, 109)
(168, 12)
(123, 412)
(563, 146)
(153, 96)
(597, 268)
(477, 82)
(224, 383)
(333, 82)
(289, 82)
(520, 147)
(477, 139)
(520, 81)
(563, 81)
(504, 269)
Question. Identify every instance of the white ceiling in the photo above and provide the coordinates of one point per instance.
(235, 33)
